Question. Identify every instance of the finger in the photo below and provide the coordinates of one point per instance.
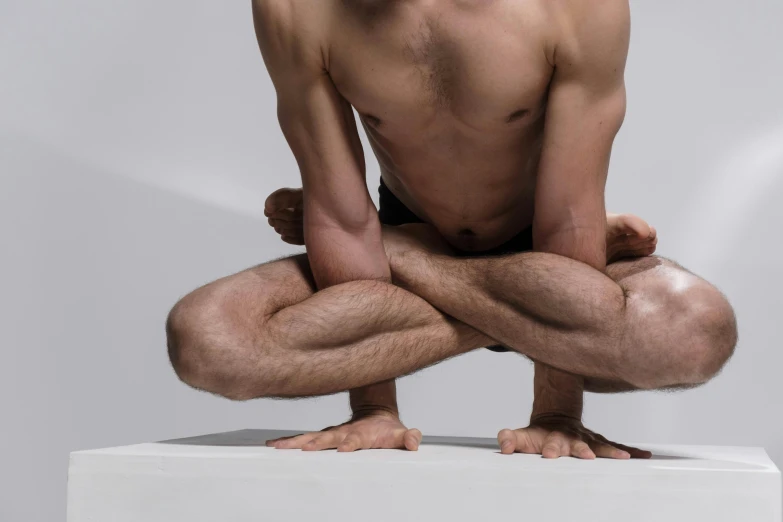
(293, 240)
(607, 451)
(282, 198)
(351, 442)
(581, 450)
(272, 442)
(555, 445)
(325, 440)
(508, 441)
(635, 453)
(412, 439)
(530, 440)
(295, 442)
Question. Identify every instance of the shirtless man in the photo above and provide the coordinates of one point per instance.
(493, 122)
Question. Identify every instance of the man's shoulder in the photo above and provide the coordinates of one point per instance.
(587, 28)
(586, 17)
(299, 17)
(292, 27)
(578, 9)
(277, 11)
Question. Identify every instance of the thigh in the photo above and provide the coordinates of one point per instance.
(261, 291)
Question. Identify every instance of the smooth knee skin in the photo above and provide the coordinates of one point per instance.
(679, 329)
(265, 332)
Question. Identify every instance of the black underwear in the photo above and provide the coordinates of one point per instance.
(393, 212)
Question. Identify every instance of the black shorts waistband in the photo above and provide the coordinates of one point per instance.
(393, 212)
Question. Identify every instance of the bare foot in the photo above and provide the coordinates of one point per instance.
(283, 209)
(628, 236)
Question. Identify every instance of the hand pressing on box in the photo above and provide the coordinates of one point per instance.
(555, 435)
(373, 429)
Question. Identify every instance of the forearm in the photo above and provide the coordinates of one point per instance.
(340, 252)
(556, 310)
(379, 396)
(363, 254)
(556, 391)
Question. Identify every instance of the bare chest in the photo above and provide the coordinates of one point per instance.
(419, 66)
(452, 94)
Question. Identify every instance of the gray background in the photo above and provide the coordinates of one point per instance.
(138, 140)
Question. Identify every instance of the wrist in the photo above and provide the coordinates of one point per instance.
(557, 393)
(374, 398)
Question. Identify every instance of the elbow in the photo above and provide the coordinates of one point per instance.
(355, 219)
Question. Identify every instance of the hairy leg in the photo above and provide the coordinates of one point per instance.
(647, 322)
(265, 332)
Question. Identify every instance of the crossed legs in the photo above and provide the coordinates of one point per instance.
(265, 332)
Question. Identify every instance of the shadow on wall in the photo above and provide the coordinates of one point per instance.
(717, 216)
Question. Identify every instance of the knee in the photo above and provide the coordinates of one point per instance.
(703, 331)
(185, 341)
(679, 329)
(711, 325)
(208, 350)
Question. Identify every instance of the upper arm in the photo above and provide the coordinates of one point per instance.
(585, 109)
(341, 226)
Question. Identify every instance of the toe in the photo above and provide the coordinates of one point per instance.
(629, 224)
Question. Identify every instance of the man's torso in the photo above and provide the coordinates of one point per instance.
(452, 95)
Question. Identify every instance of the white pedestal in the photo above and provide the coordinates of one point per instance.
(233, 477)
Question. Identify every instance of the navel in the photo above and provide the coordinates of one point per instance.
(516, 115)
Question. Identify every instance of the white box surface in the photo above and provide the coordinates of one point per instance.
(233, 477)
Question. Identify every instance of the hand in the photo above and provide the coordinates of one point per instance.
(555, 435)
(283, 208)
(377, 429)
